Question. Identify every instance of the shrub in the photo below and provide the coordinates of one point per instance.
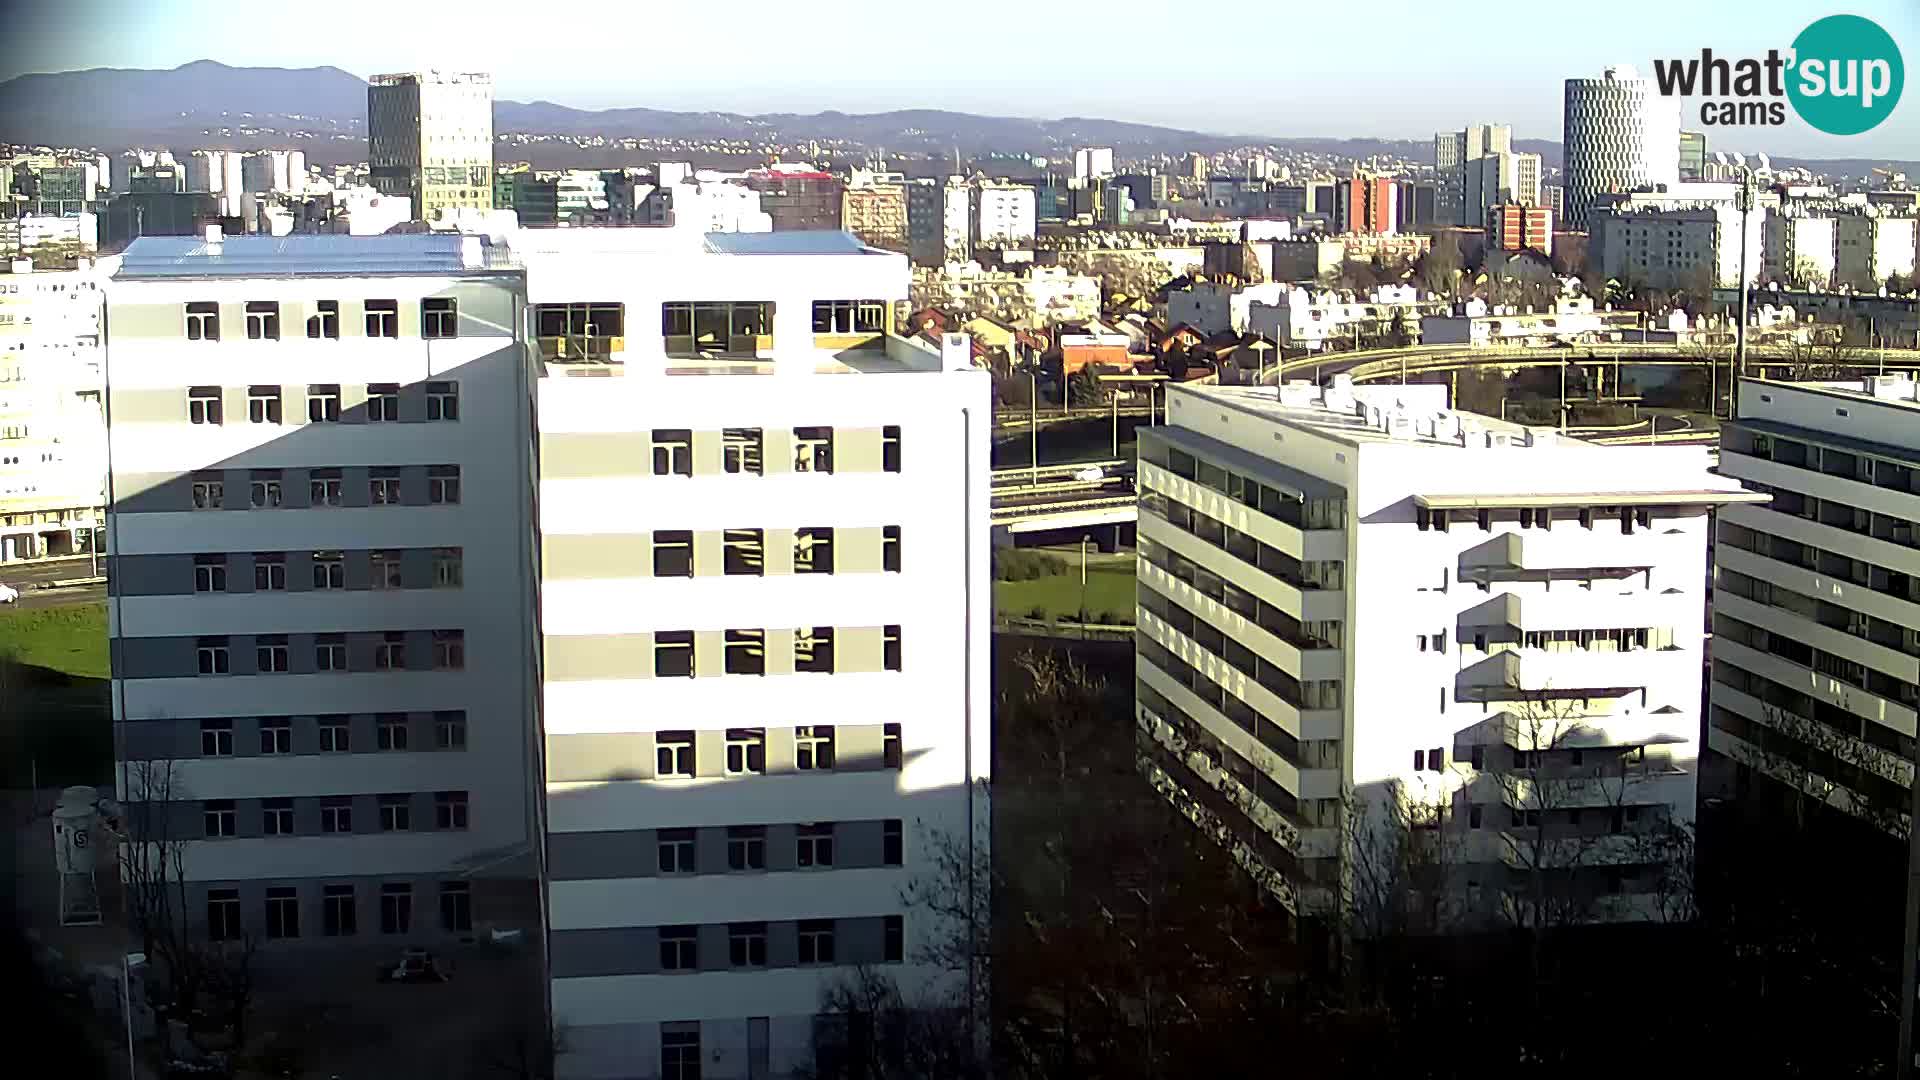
(1037, 613)
(1015, 564)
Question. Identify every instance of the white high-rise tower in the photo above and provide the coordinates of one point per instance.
(1620, 134)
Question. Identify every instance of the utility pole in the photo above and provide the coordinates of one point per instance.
(1740, 332)
(1033, 421)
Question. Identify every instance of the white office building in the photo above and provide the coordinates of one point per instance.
(1355, 592)
(320, 519)
(763, 526)
(1816, 602)
(1003, 215)
(430, 138)
(1620, 133)
(763, 530)
(1869, 248)
(52, 431)
(1799, 248)
(1678, 238)
(1090, 162)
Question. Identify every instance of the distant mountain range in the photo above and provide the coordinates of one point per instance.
(209, 104)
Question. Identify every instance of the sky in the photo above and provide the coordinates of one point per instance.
(1388, 69)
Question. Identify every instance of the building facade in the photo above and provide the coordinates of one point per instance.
(1816, 604)
(430, 139)
(1870, 248)
(1516, 227)
(1365, 203)
(1004, 215)
(1620, 133)
(757, 541)
(323, 662)
(1487, 632)
(874, 208)
(52, 433)
(377, 703)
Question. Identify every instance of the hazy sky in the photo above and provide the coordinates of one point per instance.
(1389, 68)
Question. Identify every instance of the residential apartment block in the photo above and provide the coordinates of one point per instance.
(1356, 599)
(52, 438)
(1816, 606)
(718, 705)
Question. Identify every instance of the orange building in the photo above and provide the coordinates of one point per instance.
(1511, 227)
(1365, 203)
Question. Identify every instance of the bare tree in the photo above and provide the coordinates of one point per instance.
(209, 980)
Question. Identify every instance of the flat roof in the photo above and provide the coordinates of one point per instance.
(798, 242)
(1350, 427)
(160, 257)
(1849, 390)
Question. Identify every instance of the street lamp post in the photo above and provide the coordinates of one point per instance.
(1740, 332)
(1033, 420)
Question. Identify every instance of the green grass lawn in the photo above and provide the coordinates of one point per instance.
(70, 640)
(1109, 590)
(55, 722)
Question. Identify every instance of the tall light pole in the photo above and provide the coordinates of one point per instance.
(1740, 332)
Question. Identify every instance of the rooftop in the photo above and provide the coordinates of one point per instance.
(1355, 414)
(1894, 391)
(157, 257)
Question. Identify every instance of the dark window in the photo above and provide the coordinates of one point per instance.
(893, 948)
(443, 401)
(383, 318)
(815, 845)
(396, 908)
(890, 448)
(456, 907)
(325, 323)
(892, 842)
(450, 810)
(744, 551)
(223, 914)
(383, 403)
(680, 1051)
(813, 550)
(283, 912)
(890, 549)
(263, 404)
(890, 649)
(673, 755)
(204, 407)
(450, 730)
(747, 847)
(263, 320)
(746, 750)
(672, 553)
(337, 915)
(816, 941)
(276, 817)
(679, 948)
(218, 815)
(890, 746)
(216, 738)
(747, 944)
(741, 450)
(673, 654)
(323, 403)
(676, 851)
(439, 317)
(813, 649)
(396, 813)
(813, 449)
(672, 452)
(203, 321)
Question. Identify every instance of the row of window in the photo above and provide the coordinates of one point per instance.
(1309, 574)
(678, 854)
(334, 733)
(1840, 514)
(220, 817)
(1880, 579)
(1880, 472)
(744, 552)
(1313, 634)
(1535, 518)
(747, 944)
(1320, 512)
(676, 754)
(273, 652)
(339, 911)
(743, 450)
(439, 318)
(207, 404)
(745, 652)
(328, 570)
(709, 321)
(327, 487)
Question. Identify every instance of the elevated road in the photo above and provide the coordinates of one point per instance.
(1060, 499)
(1377, 365)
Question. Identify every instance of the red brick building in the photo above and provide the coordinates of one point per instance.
(1365, 203)
(1511, 227)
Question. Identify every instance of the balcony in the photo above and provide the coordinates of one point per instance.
(581, 349)
(1525, 673)
(1565, 551)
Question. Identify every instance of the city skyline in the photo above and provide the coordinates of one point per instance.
(777, 71)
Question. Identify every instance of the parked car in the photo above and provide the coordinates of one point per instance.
(416, 966)
(1092, 474)
(8, 594)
